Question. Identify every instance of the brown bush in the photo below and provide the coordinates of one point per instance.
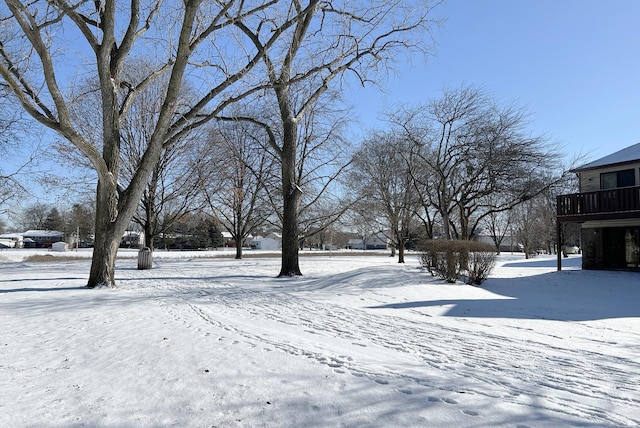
(451, 260)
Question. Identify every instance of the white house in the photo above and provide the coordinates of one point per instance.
(272, 241)
(132, 238)
(11, 240)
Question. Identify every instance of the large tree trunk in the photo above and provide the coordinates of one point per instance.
(290, 260)
(149, 235)
(238, 237)
(291, 195)
(151, 215)
(400, 244)
(444, 212)
(401, 252)
(107, 239)
(103, 263)
(150, 223)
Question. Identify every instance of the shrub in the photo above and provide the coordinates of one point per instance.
(451, 260)
(480, 266)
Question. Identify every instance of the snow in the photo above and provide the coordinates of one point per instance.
(358, 341)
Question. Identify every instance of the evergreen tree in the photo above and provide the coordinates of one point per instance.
(53, 221)
(80, 220)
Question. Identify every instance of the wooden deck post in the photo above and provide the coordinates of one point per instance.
(559, 244)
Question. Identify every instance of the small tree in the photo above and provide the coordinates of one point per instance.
(498, 224)
(80, 220)
(381, 175)
(530, 226)
(240, 172)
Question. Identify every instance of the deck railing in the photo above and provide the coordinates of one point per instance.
(612, 203)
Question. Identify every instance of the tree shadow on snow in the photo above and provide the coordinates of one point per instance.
(573, 262)
(39, 289)
(566, 296)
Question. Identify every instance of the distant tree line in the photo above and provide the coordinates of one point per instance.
(447, 169)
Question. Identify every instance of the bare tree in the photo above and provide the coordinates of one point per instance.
(530, 225)
(323, 156)
(330, 41)
(476, 149)
(498, 224)
(171, 189)
(14, 147)
(381, 172)
(34, 216)
(240, 170)
(39, 37)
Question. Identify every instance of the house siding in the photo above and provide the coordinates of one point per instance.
(590, 179)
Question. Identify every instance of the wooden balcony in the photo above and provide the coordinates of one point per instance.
(610, 204)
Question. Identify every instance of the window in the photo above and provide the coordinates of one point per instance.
(612, 180)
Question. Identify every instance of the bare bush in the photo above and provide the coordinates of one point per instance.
(452, 260)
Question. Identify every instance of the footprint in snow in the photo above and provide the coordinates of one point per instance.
(443, 400)
(471, 412)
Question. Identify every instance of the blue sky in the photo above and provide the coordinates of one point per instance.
(574, 65)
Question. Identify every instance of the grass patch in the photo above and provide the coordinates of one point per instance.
(51, 258)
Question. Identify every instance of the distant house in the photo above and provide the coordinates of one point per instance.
(376, 241)
(508, 243)
(228, 239)
(229, 242)
(272, 241)
(41, 238)
(11, 240)
(608, 209)
(132, 239)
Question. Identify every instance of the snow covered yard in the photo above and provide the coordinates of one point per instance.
(356, 342)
